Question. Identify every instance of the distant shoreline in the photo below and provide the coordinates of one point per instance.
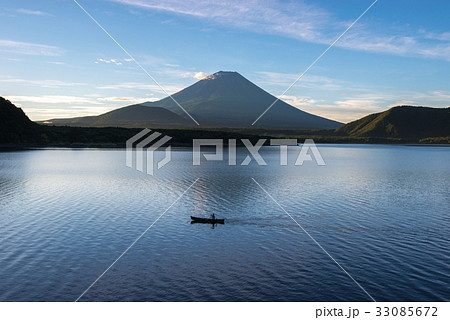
(402, 125)
(17, 147)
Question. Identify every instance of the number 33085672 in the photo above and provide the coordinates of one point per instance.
(406, 311)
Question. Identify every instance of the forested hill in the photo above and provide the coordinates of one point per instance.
(404, 122)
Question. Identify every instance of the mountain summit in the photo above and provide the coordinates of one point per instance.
(227, 99)
(223, 99)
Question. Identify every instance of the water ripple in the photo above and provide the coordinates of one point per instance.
(66, 215)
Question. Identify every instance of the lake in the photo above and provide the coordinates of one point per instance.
(382, 212)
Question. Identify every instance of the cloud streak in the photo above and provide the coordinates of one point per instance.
(307, 81)
(141, 86)
(304, 22)
(54, 99)
(33, 12)
(117, 62)
(356, 106)
(40, 114)
(128, 100)
(76, 100)
(58, 106)
(18, 47)
(44, 83)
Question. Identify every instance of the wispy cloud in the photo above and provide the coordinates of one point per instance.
(128, 100)
(308, 81)
(142, 86)
(403, 45)
(44, 83)
(355, 106)
(299, 19)
(54, 99)
(58, 106)
(27, 48)
(33, 12)
(40, 114)
(117, 62)
(444, 36)
(196, 75)
(76, 100)
(298, 101)
(306, 22)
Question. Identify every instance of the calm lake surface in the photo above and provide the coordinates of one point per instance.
(383, 212)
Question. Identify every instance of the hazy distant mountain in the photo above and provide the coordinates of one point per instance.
(224, 99)
(404, 122)
(17, 131)
(227, 99)
(134, 116)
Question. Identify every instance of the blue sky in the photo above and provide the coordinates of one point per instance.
(56, 62)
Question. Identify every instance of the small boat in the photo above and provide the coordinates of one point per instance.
(207, 220)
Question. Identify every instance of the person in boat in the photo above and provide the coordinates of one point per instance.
(213, 216)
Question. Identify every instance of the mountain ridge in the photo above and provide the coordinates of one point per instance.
(16, 129)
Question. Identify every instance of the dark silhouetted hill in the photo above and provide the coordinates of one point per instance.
(404, 122)
(15, 126)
